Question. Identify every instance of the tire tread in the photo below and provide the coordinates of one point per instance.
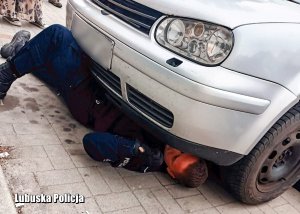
(236, 175)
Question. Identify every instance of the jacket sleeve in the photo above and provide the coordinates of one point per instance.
(170, 156)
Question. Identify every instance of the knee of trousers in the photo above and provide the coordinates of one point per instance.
(90, 146)
(97, 138)
(88, 138)
(56, 28)
(60, 33)
(35, 53)
(109, 146)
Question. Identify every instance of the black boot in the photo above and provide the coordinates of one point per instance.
(297, 186)
(18, 41)
(7, 77)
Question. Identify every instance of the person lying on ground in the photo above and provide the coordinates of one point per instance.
(55, 57)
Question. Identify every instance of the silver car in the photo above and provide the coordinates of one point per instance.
(216, 78)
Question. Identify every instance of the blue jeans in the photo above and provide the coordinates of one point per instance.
(120, 152)
(55, 57)
(116, 150)
(108, 147)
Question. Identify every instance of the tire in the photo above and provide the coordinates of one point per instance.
(271, 167)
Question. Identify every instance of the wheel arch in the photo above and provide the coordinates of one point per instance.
(273, 121)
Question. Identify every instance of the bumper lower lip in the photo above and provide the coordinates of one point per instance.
(217, 156)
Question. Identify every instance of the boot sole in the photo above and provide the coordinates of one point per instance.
(11, 22)
(38, 25)
(59, 5)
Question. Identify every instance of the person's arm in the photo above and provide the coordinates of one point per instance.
(122, 152)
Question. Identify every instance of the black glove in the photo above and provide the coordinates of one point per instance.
(152, 157)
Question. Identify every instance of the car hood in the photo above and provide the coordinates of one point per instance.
(230, 13)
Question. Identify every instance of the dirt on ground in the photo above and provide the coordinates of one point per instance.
(4, 149)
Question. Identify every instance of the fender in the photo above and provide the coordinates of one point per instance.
(268, 51)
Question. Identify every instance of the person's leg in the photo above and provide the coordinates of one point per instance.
(297, 186)
(10, 12)
(6, 79)
(122, 152)
(53, 55)
(38, 14)
(109, 147)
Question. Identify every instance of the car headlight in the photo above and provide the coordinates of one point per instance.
(203, 42)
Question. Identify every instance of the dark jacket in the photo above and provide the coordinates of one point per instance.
(88, 104)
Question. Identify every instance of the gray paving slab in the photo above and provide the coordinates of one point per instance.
(117, 201)
(94, 181)
(6, 202)
(56, 177)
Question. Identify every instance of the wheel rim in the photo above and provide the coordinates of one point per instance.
(281, 164)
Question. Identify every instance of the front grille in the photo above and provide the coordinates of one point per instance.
(150, 107)
(133, 13)
(107, 77)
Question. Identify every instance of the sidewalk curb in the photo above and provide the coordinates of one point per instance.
(6, 202)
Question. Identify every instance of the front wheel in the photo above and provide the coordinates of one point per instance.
(272, 166)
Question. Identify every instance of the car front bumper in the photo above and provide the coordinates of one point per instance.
(214, 109)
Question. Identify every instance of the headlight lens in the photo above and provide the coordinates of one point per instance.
(206, 43)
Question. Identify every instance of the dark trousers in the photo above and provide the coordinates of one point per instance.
(121, 152)
(297, 186)
(114, 149)
(55, 57)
